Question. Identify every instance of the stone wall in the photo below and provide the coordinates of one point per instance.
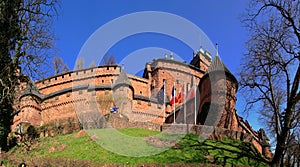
(60, 126)
(120, 121)
(174, 72)
(66, 94)
(63, 94)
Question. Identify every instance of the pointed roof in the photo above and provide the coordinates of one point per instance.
(123, 78)
(31, 89)
(217, 65)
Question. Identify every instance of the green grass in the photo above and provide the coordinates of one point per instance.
(95, 147)
(137, 132)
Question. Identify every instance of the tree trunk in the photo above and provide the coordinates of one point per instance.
(278, 156)
(5, 123)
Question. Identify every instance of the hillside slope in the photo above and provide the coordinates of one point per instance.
(80, 149)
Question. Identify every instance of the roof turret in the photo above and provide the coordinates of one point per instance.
(217, 65)
(123, 78)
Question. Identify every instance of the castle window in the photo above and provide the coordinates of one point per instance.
(76, 73)
(55, 78)
(102, 81)
(62, 76)
(112, 80)
(115, 67)
(141, 92)
(92, 70)
(177, 81)
(84, 71)
(49, 80)
(107, 68)
(69, 74)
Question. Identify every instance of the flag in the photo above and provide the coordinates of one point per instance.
(191, 94)
(160, 95)
(174, 98)
(181, 95)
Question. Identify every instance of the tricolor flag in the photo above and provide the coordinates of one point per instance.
(174, 98)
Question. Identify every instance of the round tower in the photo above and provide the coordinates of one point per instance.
(123, 93)
(218, 89)
(30, 109)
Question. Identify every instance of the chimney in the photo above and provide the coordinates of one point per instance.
(166, 56)
(171, 56)
(122, 67)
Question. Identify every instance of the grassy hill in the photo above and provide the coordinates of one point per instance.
(145, 147)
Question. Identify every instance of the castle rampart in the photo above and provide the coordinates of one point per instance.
(89, 94)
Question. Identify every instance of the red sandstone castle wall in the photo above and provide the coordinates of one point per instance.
(222, 92)
(141, 85)
(65, 105)
(174, 72)
(29, 111)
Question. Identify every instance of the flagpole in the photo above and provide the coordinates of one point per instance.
(164, 105)
(184, 102)
(195, 105)
(174, 101)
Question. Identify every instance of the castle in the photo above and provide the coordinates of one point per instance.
(82, 94)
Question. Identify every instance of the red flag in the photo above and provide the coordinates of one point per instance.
(181, 95)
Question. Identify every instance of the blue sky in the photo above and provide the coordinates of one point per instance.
(218, 19)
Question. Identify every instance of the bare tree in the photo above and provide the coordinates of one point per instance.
(93, 64)
(79, 64)
(59, 65)
(108, 60)
(65, 68)
(25, 43)
(270, 71)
